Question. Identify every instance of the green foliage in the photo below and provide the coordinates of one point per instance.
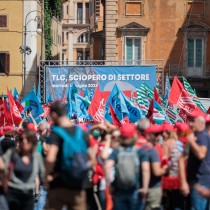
(51, 8)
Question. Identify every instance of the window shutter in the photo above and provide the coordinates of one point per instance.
(7, 64)
(3, 21)
(199, 53)
(190, 52)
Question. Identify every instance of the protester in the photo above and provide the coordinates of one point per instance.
(42, 148)
(129, 163)
(23, 166)
(198, 154)
(153, 201)
(9, 140)
(3, 201)
(141, 126)
(172, 150)
(63, 176)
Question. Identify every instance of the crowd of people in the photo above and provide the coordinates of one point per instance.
(93, 166)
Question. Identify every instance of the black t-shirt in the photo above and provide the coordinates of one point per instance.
(22, 171)
(6, 144)
(60, 180)
(198, 171)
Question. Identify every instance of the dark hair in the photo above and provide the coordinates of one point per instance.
(59, 108)
(30, 135)
(11, 134)
(25, 123)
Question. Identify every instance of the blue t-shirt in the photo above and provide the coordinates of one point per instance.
(155, 181)
(198, 171)
(143, 157)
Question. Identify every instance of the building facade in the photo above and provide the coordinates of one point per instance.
(56, 30)
(19, 68)
(176, 32)
(75, 30)
(11, 36)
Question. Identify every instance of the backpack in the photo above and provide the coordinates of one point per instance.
(127, 169)
(74, 164)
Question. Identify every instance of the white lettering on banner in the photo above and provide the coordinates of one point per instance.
(103, 77)
(58, 77)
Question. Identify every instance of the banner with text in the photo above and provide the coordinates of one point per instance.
(60, 78)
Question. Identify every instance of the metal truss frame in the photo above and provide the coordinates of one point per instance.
(47, 63)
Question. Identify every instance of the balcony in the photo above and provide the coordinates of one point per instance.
(176, 70)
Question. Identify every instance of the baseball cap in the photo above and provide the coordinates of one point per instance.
(182, 127)
(154, 128)
(167, 127)
(196, 113)
(128, 130)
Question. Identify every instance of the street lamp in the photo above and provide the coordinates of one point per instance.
(24, 49)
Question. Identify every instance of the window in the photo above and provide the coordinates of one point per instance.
(4, 63)
(62, 37)
(133, 7)
(67, 35)
(83, 38)
(87, 13)
(195, 53)
(79, 13)
(63, 56)
(133, 49)
(67, 9)
(3, 21)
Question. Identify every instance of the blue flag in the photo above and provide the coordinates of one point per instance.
(82, 105)
(134, 111)
(69, 104)
(117, 101)
(74, 91)
(50, 99)
(38, 93)
(87, 93)
(16, 95)
(31, 101)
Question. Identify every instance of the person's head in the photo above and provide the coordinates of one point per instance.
(27, 141)
(25, 123)
(128, 134)
(197, 123)
(142, 125)
(11, 134)
(169, 132)
(153, 133)
(57, 111)
(115, 138)
(43, 129)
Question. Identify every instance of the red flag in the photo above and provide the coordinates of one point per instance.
(156, 96)
(1, 113)
(7, 114)
(125, 121)
(183, 115)
(19, 106)
(208, 112)
(115, 120)
(14, 109)
(180, 97)
(150, 111)
(96, 108)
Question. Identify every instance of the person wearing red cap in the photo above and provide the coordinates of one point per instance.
(154, 197)
(172, 150)
(129, 163)
(198, 154)
(141, 126)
